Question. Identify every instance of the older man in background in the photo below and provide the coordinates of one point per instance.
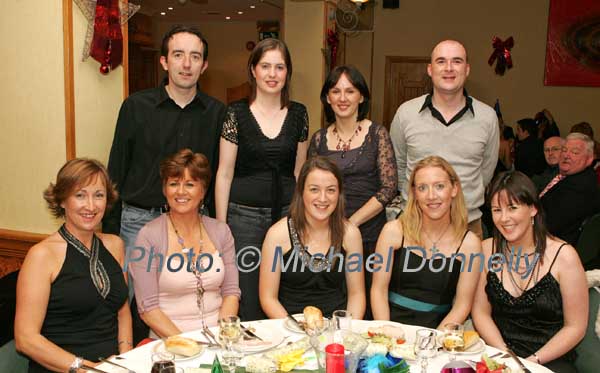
(572, 195)
(552, 149)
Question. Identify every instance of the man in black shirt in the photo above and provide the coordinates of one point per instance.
(158, 122)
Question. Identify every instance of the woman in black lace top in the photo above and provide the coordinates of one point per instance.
(361, 149)
(263, 145)
(534, 296)
(322, 244)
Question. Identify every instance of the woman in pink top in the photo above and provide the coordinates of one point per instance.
(187, 277)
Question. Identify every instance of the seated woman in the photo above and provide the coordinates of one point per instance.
(431, 235)
(72, 293)
(534, 300)
(316, 223)
(201, 285)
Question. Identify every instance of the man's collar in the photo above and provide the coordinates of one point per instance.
(163, 95)
(429, 103)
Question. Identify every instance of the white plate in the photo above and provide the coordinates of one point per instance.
(270, 338)
(475, 348)
(160, 347)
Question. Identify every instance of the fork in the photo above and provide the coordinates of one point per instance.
(209, 335)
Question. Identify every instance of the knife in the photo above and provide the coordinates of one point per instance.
(250, 333)
(519, 362)
(117, 365)
(301, 326)
(92, 369)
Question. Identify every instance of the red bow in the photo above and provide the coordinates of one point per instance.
(502, 53)
(107, 44)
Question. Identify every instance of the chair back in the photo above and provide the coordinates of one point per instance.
(588, 245)
(12, 361)
(588, 358)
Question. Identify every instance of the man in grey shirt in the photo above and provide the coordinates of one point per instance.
(451, 124)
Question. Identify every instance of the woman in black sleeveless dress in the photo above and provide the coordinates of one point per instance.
(535, 301)
(306, 256)
(425, 248)
(71, 294)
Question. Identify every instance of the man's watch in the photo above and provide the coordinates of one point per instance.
(76, 364)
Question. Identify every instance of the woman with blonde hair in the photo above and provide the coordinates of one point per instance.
(431, 246)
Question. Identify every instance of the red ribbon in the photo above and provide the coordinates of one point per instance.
(107, 43)
(332, 42)
(502, 54)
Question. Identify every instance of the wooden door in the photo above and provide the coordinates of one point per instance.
(405, 78)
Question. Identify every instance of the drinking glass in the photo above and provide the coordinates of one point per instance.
(230, 331)
(230, 357)
(425, 346)
(163, 362)
(453, 340)
(342, 320)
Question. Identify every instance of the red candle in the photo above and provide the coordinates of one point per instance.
(334, 358)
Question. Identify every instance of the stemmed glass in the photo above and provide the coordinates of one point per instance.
(342, 320)
(229, 333)
(425, 346)
(453, 340)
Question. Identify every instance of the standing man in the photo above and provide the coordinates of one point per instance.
(158, 122)
(450, 124)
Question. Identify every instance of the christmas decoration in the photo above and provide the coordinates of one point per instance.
(103, 40)
(501, 53)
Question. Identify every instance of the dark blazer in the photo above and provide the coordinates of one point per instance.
(570, 202)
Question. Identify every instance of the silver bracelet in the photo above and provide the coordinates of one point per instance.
(126, 342)
(537, 359)
(76, 364)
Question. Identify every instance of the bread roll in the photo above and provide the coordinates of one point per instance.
(182, 346)
(471, 337)
(313, 317)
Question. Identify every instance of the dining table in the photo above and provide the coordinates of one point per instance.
(279, 332)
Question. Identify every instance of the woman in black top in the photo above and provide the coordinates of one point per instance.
(535, 300)
(71, 294)
(263, 145)
(432, 233)
(321, 242)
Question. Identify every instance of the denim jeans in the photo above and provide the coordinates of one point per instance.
(249, 226)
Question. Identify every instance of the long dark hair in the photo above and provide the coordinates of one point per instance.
(261, 48)
(357, 80)
(520, 189)
(297, 212)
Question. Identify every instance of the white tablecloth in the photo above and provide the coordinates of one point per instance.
(139, 359)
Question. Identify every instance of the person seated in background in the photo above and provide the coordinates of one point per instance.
(552, 149)
(72, 292)
(546, 125)
(201, 286)
(317, 237)
(435, 220)
(529, 154)
(572, 195)
(534, 300)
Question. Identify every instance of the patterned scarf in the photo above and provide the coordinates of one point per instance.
(97, 271)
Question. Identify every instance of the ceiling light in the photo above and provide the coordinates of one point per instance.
(252, 6)
(227, 17)
(240, 12)
(359, 1)
(162, 13)
(170, 8)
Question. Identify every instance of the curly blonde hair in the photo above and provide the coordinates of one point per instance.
(77, 173)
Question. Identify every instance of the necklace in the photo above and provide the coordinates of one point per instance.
(342, 145)
(197, 272)
(434, 249)
(180, 240)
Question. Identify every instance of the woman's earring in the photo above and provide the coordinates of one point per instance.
(533, 221)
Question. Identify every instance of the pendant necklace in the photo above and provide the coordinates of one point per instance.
(342, 145)
(180, 240)
(434, 249)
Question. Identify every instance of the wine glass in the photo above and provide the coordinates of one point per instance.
(164, 362)
(230, 357)
(425, 346)
(453, 340)
(230, 331)
(342, 320)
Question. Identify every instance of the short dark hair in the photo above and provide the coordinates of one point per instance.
(520, 189)
(529, 125)
(78, 172)
(261, 48)
(357, 80)
(196, 163)
(178, 29)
